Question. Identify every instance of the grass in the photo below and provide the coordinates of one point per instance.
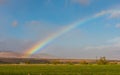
(59, 69)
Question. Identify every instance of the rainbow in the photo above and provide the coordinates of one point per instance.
(42, 44)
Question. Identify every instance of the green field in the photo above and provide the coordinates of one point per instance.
(59, 69)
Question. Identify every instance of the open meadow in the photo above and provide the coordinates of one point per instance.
(59, 69)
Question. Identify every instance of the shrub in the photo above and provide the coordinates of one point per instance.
(55, 62)
(84, 62)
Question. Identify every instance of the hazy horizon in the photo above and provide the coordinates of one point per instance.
(24, 23)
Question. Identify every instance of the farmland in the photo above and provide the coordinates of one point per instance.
(50, 69)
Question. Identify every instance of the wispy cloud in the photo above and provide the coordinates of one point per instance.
(112, 13)
(111, 44)
(115, 15)
(110, 50)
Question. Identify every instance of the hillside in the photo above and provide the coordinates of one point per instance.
(9, 54)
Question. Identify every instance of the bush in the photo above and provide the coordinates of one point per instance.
(55, 62)
(70, 63)
(27, 62)
(84, 62)
(112, 63)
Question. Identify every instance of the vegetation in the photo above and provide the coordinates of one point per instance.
(84, 62)
(102, 61)
(52, 69)
(55, 62)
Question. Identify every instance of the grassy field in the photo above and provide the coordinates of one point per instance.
(59, 69)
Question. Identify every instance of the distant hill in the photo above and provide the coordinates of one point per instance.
(43, 56)
(10, 54)
(8, 57)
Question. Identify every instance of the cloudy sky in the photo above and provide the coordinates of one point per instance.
(25, 22)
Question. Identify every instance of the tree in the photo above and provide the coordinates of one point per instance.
(102, 61)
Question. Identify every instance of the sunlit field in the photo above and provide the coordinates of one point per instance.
(59, 69)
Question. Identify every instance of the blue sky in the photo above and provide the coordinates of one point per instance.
(24, 22)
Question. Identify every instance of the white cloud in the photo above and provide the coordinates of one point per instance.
(101, 50)
(111, 13)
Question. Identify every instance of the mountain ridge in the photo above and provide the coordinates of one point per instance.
(11, 54)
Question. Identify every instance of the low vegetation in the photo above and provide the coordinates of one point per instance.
(102, 61)
(51, 69)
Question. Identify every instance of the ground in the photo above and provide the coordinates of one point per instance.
(48, 69)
